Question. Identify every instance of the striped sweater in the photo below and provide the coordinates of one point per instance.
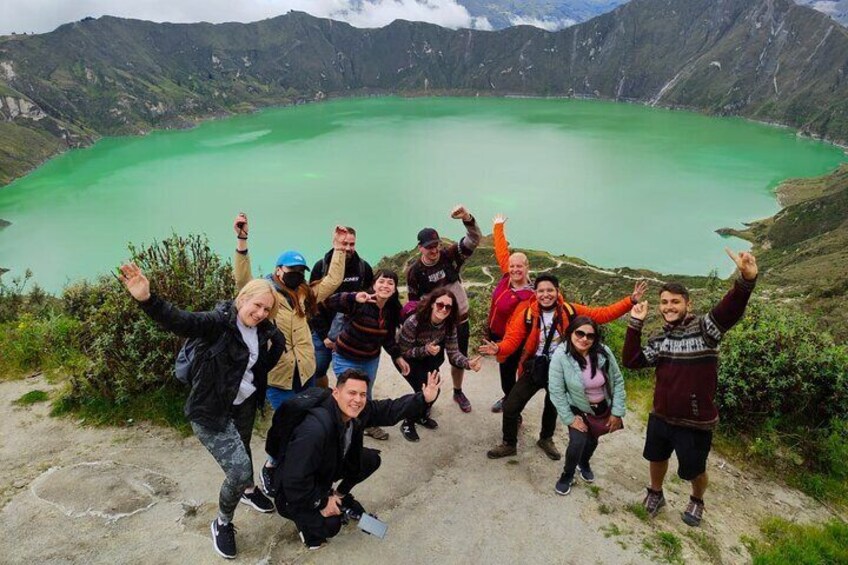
(368, 327)
(686, 359)
(414, 337)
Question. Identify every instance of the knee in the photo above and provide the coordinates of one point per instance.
(370, 461)
(332, 525)
(241, 475)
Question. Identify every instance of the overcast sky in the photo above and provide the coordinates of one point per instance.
(40, 16)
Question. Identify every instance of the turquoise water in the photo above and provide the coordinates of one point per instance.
(615, 184)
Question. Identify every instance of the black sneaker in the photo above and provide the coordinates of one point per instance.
(586, 473)
(408, 431)
(224, 539)
(267, 479)
(428, 423)
(563, 485)
(312, 543)
(257, 501)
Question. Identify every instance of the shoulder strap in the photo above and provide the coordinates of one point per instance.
(546, 351)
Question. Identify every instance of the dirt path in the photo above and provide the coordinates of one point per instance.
(72, 494)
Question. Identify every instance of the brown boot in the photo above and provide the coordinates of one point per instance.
(503, 450)
(547, 445)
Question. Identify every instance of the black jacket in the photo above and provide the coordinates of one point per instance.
(313, 460)
(215, 381)
(358, 276)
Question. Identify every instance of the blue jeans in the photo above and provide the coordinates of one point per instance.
(342, 364)
(323, 356)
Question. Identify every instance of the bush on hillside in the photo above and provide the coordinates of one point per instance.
(128, 354)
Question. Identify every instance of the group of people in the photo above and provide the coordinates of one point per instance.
(278, 338)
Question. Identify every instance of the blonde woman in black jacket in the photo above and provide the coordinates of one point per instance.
(226, 388)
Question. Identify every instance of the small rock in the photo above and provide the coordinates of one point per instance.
(20, 483)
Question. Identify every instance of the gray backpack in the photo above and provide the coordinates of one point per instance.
(195, 348)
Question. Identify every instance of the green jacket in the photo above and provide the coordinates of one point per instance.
(565, 385)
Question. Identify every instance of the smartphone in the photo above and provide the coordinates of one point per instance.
(372, 526)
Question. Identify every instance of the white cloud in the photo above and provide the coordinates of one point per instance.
(40, 16)
(546, 24)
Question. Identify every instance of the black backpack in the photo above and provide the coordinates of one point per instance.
(194, 349)
(287, 417)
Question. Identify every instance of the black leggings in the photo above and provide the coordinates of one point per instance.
(418, 370)
(581, 446)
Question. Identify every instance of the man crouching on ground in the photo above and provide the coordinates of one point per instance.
(327, 447)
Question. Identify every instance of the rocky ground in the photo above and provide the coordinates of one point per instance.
(76, 494)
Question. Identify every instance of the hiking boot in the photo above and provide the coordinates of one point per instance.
(654, 500)
(563, 485)
(407, 428)
(503, 450)
(428, 423)
(257, 501)
(377, 433)
(267, 481)
(547, 445)
(224, 539)
(460, 398)
(694, 512)
(586, 473)
(497, 407)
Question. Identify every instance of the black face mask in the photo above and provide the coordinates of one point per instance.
(293, 279)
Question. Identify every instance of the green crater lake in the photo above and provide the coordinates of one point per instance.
(615, 184)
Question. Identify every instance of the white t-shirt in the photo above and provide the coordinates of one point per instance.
(251, 338)
(547, 318)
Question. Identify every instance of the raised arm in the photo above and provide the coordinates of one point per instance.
(610, 312)
(335, 271)
(633, 355)
(501, 244)
(241, 261)
(473, 235)
(731, 308)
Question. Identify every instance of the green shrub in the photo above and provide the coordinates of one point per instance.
(128, 354)
(30, 343)
(786, 543)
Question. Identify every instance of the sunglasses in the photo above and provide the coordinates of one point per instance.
(443, 306)
(583, 335)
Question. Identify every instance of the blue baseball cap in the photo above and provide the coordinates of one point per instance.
(292, 259)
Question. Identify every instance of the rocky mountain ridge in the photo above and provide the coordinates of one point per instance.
(769, 60)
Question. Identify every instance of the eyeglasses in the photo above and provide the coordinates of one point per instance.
(443, 306)
(583, 335)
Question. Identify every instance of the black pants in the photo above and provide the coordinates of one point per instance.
(581, 447)
(418, 370)
(521, 393)
(508, 370)
(316, 528)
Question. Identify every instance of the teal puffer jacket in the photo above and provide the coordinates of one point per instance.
(565, 384)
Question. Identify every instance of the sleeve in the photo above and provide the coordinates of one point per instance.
(333, 278)
(278, 347)
(413, 291)
(391, 411)
(408, 332)
(454, 354)
(516, 332)
(317, 272)
(501, 247)
(304, 453)
(241, 270)
(619, 393)
(729, 310)
(186, 324)
(391, 346)
(343, 302)
(557, 389)
(633, 355)
(472, 238)
(605, 314)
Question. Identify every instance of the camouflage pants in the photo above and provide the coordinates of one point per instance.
(231, 449)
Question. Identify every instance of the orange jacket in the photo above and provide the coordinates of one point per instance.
(517, 331)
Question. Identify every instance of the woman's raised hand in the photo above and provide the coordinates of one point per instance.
(240, 225)
(475, 364)
(499, 219)
(362, 297)
(488, 348)
(432, 348)
(135, 281)
(339, 234)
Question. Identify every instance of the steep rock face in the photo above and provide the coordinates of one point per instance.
(768, 59)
